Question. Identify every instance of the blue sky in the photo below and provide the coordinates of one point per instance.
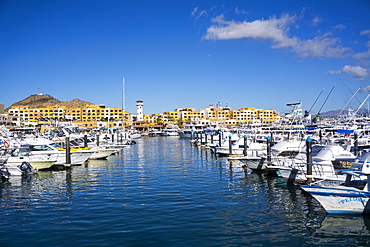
(176, 54)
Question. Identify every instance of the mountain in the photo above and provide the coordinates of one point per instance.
(45, 100)
(335, 113)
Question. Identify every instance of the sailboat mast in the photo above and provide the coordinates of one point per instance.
(123, 100)
(123, 93)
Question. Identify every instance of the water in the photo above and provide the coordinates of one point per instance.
(165, 192)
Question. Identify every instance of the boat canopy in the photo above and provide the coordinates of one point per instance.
(345, 131)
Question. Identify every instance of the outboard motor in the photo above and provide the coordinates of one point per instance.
(4, 174)
(26, 168)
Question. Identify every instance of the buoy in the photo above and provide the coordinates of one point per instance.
(6, 145)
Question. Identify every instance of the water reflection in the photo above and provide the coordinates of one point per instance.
(61, 184)
(184, 190)
(351, 230)
(305, 216)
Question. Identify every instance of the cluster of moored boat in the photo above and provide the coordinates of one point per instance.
(332, 165)
(24, 152)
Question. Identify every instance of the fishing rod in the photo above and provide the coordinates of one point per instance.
(340, 113)
(350, 91)
(362, 82)
(367, 88)
(316, 100)
(360, 107)
(326, 99)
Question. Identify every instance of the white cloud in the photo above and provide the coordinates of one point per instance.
(362, 55)
(316, 21)
(273, 29)
(320, 46)
(365, 32)
(240, 11)
(340, 27)
(277, 31)
(198, 14)
(194, 11)
(357, 71)
(365, 89)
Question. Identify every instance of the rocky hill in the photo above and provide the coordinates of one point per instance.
(45, 100)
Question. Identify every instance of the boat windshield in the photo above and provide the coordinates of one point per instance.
(40, 148)
(55, 145)
(22, 152)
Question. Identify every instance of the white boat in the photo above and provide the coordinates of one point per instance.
(350, 198)
(132, 134)
(224, 148)
(323, 165)
(135, 135)
(102, 153)
(189, 130)
(41, 147)
(254, 149)
(170, 130)
(23, 154)
(288, 147)
(19, 169)
(154, 132)
(280, 152)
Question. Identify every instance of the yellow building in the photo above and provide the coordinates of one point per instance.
(96, 116)
(267, 116)
(172, 116)
(89, 114)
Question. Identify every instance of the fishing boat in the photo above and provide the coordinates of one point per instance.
(280, 152)
(350, 198)
(326, 165)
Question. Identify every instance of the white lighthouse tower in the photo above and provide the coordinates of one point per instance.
(139, 110)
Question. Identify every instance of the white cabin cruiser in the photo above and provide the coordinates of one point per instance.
(41, 148)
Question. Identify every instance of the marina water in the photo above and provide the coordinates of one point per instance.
(163, 191)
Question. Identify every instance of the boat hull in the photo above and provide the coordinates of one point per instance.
(340, 200)
(254, 163)
(77, 157)
(102, 154)
(38, 164)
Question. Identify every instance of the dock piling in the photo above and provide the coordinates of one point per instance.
(68, 153)
(245, 146)
(355, 136)
(269, 142)
(309, 159)
(230, 146)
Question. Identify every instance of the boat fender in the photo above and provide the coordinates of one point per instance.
(25, 166)
(6, 145)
